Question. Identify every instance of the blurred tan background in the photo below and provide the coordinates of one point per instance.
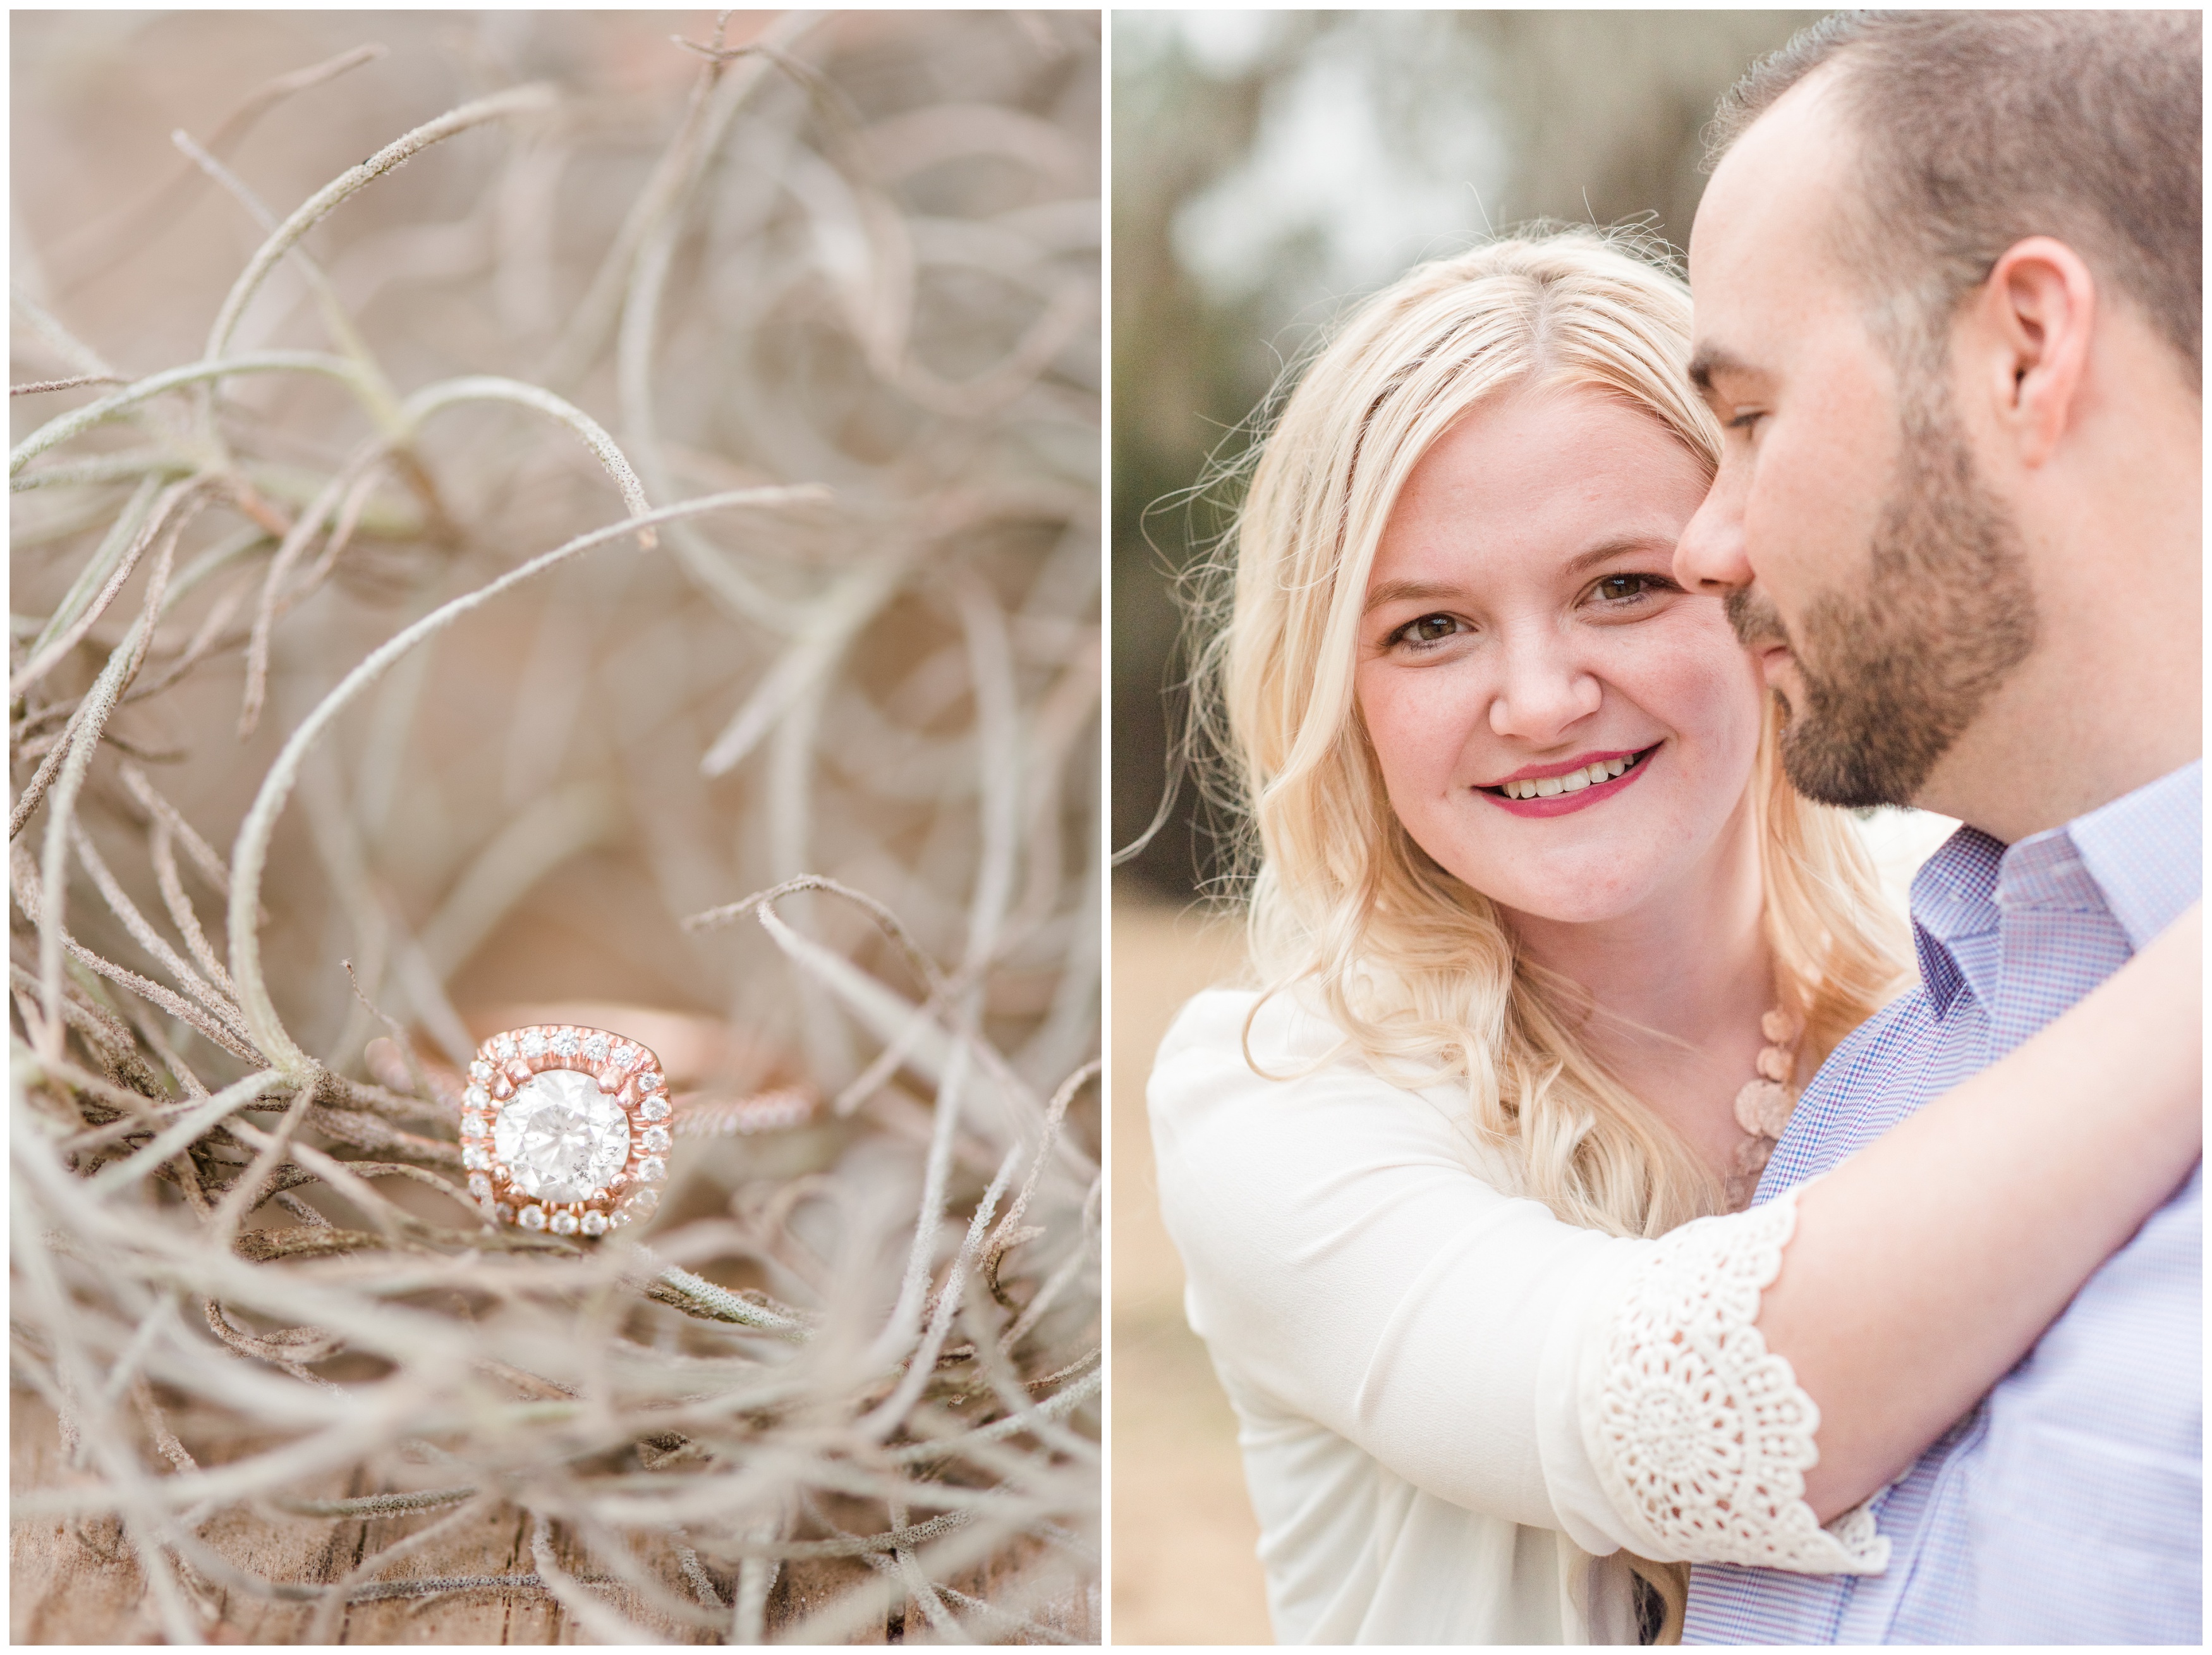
(1184, 1534)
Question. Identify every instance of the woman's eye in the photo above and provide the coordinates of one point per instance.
(1429, 628)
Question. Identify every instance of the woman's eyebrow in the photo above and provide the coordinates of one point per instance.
(1618, 547)
(1393, 592)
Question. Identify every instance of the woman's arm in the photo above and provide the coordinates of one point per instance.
(1891, 1293)
(1923, 1267)
(1353, 1263)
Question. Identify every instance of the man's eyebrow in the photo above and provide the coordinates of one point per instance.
(1711, 359)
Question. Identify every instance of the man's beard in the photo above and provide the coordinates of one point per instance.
(1895, 672)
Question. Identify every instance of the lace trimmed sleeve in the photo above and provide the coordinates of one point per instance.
(1699, 1436)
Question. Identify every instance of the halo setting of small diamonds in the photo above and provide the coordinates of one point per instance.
(558, 1132)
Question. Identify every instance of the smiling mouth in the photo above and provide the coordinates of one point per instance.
(1590, 775)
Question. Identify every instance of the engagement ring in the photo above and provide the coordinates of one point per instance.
(565, 1129)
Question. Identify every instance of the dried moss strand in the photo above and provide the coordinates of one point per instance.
(391, 1504)
(132, 465)
(161, 849)
(122, 663)
(174, 502)
(188, 1130)
(121, 539)
(1056, 1407)
(295, 544)
(516, 101)
(599, 1619)
(376, 386)
(486, 387)
(705, 119)
(38, 387)
(77, 422)
(120, 903)
(248, 856)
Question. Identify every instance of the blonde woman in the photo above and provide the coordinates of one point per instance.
(1545, 946)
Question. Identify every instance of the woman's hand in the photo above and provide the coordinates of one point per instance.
(1923, 1267)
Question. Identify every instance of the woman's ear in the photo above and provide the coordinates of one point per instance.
(2035, 316)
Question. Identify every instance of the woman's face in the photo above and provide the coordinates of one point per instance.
(1558, 723)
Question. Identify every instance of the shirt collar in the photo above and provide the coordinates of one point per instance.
(2139, 858)
(1954, 900)
(2145, 851)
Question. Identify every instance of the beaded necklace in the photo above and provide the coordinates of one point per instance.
(1763, 1107)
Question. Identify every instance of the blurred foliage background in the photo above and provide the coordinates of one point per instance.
(1272, 167)
(1269, 169)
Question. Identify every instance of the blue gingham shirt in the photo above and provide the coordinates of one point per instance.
(2068, 1507)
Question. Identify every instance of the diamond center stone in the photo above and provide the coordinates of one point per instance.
(560, 1137)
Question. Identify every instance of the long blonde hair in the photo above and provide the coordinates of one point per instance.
(1416, 968)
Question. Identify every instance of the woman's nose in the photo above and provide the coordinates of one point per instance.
(1545, 688)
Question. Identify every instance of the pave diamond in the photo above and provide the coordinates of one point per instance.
(533, 1045)
(596, 1047)
(532, 1218)
(564, 1224)
(474, 1125)
(655, 1138)
(480, 1186)
(654, 1108)
(503, 1212)
(595, 1223)
(641, 1202)
(560, 1137)
(651, 1169)
(625, 1055)
(480, 1070)
(564, 1043)
(474, 1159)
(475, 1096)
(503, 1048)
(648, 1081)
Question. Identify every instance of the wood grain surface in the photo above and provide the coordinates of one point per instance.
(76, 1582)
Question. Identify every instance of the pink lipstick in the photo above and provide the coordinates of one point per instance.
(1563, 804)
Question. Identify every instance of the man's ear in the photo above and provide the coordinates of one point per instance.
(2035, 315)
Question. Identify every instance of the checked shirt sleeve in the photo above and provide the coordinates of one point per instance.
(1700, 1436)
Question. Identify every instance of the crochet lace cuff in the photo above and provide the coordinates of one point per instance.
(1699, 1435)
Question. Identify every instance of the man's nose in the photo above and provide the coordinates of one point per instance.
(1709, 556)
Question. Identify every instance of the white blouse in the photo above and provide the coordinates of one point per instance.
(1454, 1408)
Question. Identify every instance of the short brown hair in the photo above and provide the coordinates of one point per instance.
(1980, 127)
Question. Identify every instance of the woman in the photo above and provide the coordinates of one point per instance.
(1549, 946)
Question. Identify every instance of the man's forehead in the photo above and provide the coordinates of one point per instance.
(1764, 248)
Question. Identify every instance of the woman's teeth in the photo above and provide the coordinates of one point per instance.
(1550, 786)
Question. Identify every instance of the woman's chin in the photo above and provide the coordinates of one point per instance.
(1559, 908)
(1577, 890)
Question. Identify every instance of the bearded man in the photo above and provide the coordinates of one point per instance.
(1949, 289)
